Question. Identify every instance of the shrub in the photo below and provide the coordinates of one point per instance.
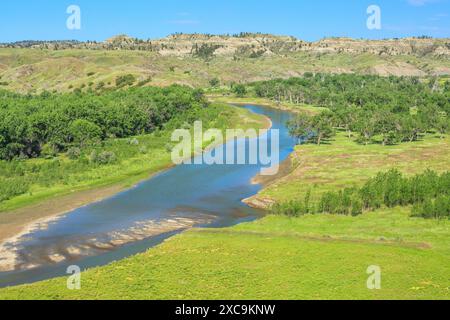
(134, 142)
(84, 132)
(74, 153)
(126, 80)
(10, 188)
(240, 90)
(215, 82)
(49, 151)
(103, 158)
(143, 150)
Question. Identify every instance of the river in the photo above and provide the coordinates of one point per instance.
(135, 220)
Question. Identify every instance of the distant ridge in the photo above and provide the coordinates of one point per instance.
(181, 44)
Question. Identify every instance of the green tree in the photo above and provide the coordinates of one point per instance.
(240, 90)
(214, 82)
(321, 126)
(84, 132)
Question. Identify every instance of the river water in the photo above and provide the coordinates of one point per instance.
(135, 220)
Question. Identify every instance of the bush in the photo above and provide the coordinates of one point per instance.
(49, 151)
(215, 82)
(103, 158)
(240, 90)
(126, 80)
(143, 150)
(10, 188)
(134, 142)
(84, 132)
(74, 153)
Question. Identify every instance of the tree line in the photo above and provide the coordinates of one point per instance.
(390, 110)
(31, 125)
(428, 193)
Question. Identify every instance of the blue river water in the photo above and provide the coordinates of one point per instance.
(135, 220)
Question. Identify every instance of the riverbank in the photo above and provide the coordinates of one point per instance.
(49, 204)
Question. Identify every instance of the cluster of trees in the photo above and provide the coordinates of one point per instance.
(392, 109)
(428, 192)
(314, 129)
(433, 209)
(205, 51)
(31, 125)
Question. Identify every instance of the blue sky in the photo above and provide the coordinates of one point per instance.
(305, 19)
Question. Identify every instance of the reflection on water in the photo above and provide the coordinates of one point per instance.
(184, 197)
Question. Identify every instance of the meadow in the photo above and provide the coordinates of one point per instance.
(343, 163)
(314, 257)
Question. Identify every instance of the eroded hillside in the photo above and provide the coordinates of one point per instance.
(196, 59)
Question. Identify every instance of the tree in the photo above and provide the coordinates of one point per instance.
(410, 128)
(214, 82)
(240, 90)
(321, 126)
(84, 132)
(300, 127)
(442, 126)
(365, 125)
(345, 117)
(312, 129)
(385, 124)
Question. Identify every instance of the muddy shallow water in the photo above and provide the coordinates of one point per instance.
(135, 220)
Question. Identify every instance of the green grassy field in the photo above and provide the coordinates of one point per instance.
(344, 163)
(311, 257)
(315, 257)
(60, 176)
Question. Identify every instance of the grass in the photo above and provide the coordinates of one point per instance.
(70, 176)
(315, 257)
(344, 163)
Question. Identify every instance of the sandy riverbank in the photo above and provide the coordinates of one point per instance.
(259, 202)
(18, 221)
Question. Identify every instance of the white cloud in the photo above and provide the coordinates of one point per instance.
(438, 17)
(184, 22)
(419, 3)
